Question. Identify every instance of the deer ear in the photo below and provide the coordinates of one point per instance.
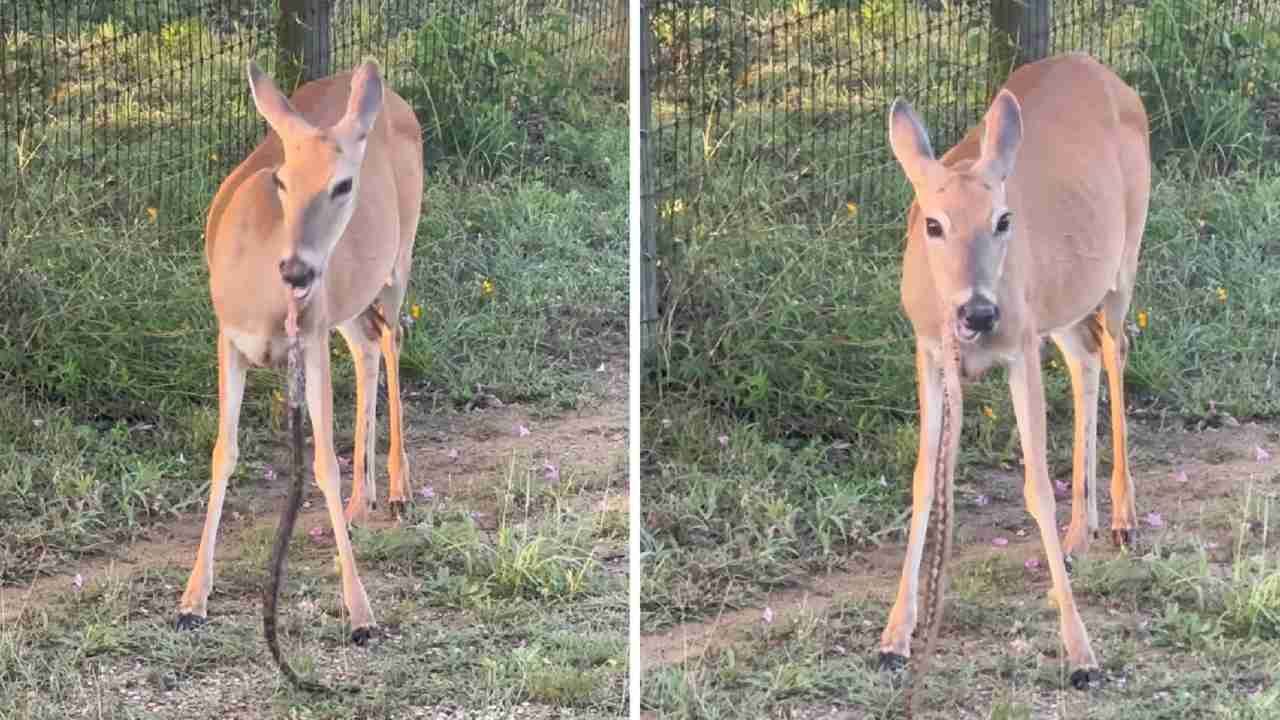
(910, 143)
(274, 107)
(1001, 138)
(365, 101)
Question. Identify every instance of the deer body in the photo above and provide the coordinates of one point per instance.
(323, 212)
(1028, 229)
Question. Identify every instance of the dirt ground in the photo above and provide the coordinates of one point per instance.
(1189, 482)
(459, 459)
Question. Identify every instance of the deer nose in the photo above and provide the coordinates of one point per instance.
(296, 273)
(979, 315)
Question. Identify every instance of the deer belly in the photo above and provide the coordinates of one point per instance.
(261, 350)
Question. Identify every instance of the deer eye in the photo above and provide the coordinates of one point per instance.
(1002, 225)
(275, 178)
(341, 189)
(933, 228)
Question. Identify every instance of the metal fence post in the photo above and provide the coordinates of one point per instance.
(648, 203)
(305, 45)
(1019, 34)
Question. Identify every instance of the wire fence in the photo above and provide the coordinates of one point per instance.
(145, 101)
(774, 110)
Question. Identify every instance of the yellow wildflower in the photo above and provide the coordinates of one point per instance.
(153, 214)
(986, 410)
(213, 157)
(486, 287)
(852, 208)
(1222, 294)
(1142, 319)
(415, 311)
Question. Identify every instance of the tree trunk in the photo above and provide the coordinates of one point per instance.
(303, 36)
(1019, 34)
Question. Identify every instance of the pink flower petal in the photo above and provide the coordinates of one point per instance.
(982, 501)
(1261, 455)
(1154, 520)
(77, 582)
(768, 615)
(723, 440)
(522, 431)
(427, 492)
(1032, 564)
(1000, 541)
(453, 454)
(551, 472)
(1061, 490)
(1181, 476)
(318, 535)
(269, 474)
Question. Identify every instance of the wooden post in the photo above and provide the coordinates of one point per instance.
(648, 203)
(1019, 34)
(303, 40)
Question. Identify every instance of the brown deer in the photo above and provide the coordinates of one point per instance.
(321, 215)
(1028, 228)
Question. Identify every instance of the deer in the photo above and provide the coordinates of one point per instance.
(1029, 228)
(316, 226)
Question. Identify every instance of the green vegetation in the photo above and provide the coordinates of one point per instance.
(778, 415)
(107, 398)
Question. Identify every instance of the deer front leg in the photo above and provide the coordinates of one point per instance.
(193, 609)
(364, 492)
(1026, 387)
(320, 408)
(895, 642)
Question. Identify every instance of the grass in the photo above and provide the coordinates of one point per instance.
(778, 414)
(108, 407)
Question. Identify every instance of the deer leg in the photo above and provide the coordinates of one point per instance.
(193, 608)
(895, 642)
(1124, 516)
(397, 459)
(1026, 387)
(1079, 349)
(320, 408)
(364, 492)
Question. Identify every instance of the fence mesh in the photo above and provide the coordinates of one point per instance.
(795, 91)
(145, 101)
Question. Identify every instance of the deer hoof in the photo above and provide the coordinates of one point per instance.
(399, 509)
(360, 636)
(1124, 537)
(189, 621)
(892, 662)
(1083, 678)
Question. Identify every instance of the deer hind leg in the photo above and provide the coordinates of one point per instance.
(1115, 354)
(1080, 351)
(895, 642)
(1026, 387)
(391, 299)
(361, 334)
(320, 407)
(193, 608)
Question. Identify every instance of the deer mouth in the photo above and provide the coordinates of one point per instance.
(964, 334)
